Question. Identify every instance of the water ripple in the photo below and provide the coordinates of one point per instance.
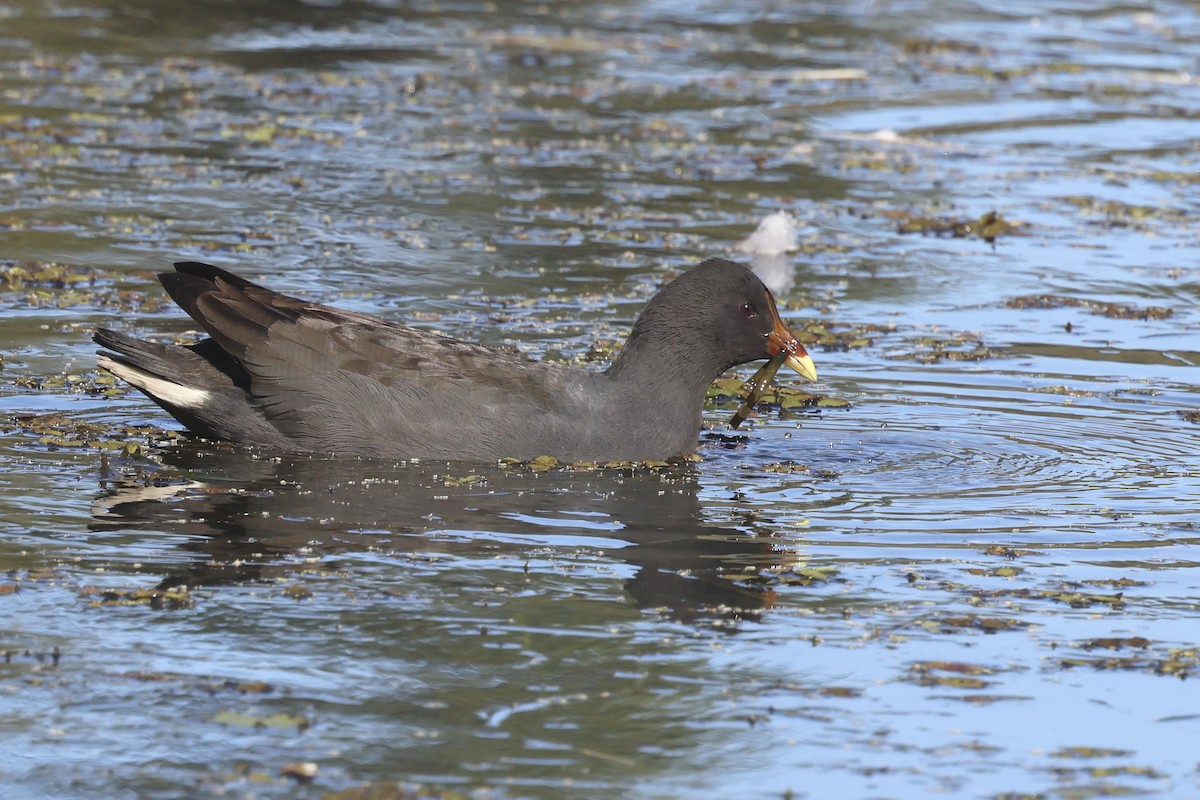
(977, 457)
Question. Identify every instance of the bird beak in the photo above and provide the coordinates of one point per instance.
(781, 340)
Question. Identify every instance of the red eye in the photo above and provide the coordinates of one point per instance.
(748, 310)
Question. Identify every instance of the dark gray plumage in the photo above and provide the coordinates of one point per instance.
(290, 375)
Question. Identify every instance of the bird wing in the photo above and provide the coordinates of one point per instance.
(333, 379)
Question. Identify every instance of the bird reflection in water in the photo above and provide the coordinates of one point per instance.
(249, 516)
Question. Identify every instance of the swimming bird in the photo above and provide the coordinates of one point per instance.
(294, 376)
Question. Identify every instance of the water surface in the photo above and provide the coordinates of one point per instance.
(978, 580)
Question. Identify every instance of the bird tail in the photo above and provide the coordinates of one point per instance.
(153, 368)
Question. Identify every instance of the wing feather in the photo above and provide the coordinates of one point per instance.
(332, 379)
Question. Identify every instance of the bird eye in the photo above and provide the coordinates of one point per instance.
(748, 310)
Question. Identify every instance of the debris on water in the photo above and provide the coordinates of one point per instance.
(1089, 752)
(389, 790)
(1180, 662)
(806, 576)
(1118, 214)
(1113, 310)
(242, 687)
(50, 284)
(931, 47)
(958, 674)
(1175, 662)
(241, 719)
(776, 234)
(571, 42)
(298, 591)
(462, 480)
(541, 463)
(997, 572)
(951, 347)
(1116, 643)
(674, 467)
(726, 391)
(780, 468)
(1009, 552)
(176, 597)
(975, 622)
(1066, 391)
(1115, 583)
(768, 247)
(40, 658)
(300, 771)
(1066, 594)
(95, 383)
(988, 227)
(57, 431)
(47, 274)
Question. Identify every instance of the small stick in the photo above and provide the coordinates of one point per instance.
(758, 384)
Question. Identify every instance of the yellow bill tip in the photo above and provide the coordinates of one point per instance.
(803, 365)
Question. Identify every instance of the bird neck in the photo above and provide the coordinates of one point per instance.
(664, 364)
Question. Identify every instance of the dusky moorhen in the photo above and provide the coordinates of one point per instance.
(291, 375)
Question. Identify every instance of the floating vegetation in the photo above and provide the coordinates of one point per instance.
(41, 575)
(173, 598)
(1068, 593)
(989, 227)
(462, 480)
(298, 591)
(790, 575)
(1118, 214)
(780, 468)
(1116, 643)
(678, 465)
(58, 431)
(50, 284)
(879, 161)
(245, 720)
(954, 674)
(975, 622)
(537, 464)
(997, 572)
(1066, 391)
(726, 392)
(48, 275)
(1113, 310)
(94, 383)
(1006, 551)
(1134, 653)
(50, 657)
(841, 337)
(1115, 583)
(1075, 599)
(242, 687)
(1089, 752)
(385, 790)
(931, 47)
(950, 347)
